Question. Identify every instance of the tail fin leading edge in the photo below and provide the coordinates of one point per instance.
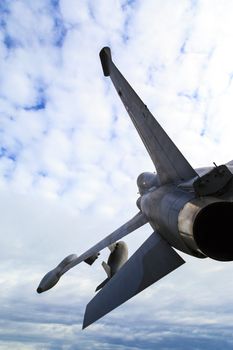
(169, 162)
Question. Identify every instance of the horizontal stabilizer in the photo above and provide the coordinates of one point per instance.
(169, 162)
(152, 261)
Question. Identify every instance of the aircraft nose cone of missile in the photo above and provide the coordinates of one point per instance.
(39, 290)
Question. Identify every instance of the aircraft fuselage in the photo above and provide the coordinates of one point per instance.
(196, 225)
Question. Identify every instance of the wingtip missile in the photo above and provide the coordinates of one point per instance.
(106, 58)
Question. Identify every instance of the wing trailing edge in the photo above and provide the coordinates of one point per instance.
(169, 162)
(152, 261)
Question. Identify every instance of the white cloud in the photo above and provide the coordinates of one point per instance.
(69, 159)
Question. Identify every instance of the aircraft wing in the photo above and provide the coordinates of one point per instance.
(169, 162)
(152, 261)
(53, 276)
(137, 221)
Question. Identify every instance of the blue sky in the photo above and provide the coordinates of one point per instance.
(70, 157)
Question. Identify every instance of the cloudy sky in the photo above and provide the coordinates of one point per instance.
(70, 157)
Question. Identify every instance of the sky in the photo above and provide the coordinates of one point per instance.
(70, 157)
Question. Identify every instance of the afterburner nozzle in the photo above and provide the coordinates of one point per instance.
(53, 276)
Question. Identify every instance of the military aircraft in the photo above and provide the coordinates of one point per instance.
(188, 209)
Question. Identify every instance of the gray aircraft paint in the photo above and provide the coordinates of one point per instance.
(188, 209)
(117, 258)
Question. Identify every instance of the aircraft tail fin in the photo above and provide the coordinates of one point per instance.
(106, 58)
(152, 261)
(230, 163)
(169, 162)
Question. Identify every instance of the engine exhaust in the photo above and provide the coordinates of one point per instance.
(206, 225)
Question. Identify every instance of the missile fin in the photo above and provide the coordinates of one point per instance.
(107, 268)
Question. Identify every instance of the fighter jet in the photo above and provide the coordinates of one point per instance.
(188, 209)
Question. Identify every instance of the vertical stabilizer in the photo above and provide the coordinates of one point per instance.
(169, 162)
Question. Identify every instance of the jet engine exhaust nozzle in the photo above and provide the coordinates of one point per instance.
(213, 232)
(207, 226)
